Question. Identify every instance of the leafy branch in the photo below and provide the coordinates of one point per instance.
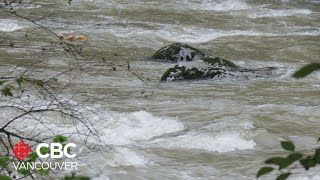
(285, 164)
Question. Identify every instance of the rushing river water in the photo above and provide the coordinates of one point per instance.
(208, 129)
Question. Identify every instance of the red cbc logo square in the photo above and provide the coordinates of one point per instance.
(22, 150)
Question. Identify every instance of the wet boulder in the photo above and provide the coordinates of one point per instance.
(218, 62)
(185, 73)
(192, 64)
(192, 70)
(214, 68)
(178, 52)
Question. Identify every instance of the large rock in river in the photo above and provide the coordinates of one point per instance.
(178, 52)
(198, 70)
(192, 64)
(185, 73)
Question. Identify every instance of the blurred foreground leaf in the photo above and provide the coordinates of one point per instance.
(6, 92)
(4, 177)
(60, 139)
(280, 161)
(283, 176)
(306, 70)
(2, 82)
(287, 145)
(4, 161)
(263, 171)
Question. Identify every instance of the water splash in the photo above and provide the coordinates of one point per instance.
(8, 25)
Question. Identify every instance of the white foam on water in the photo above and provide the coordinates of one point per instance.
(130, 32)
(191, 34)
(8, 25)
(221, 5)
(278, 13)
(213, 5)
(115, 129)
(312, 174)
(201, 35)
(227, 135)
(302, 174)
(315, 32)
(127, 128)
(228, 5)
(177, 33)
(223, 142)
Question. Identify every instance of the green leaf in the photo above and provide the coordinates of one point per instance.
(287, 145)
(263, 171)
(4, 161)
(2, 82)
(306, 70)
(283, 176)
(4, 177)
(33, 157)
(60, 139)
(44, 150)
(6, 92)
(76, 178)
(24, 171)
(317, 156)
(68, 149)
(280, 161)
(19, 81)
(308, 163)
(44, 171)
(294, 157)
(39, 82)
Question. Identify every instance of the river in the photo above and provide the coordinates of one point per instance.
(208, 129)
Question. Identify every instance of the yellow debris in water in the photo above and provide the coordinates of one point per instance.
(72, 37)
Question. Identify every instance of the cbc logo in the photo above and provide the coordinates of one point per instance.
(56, 150)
